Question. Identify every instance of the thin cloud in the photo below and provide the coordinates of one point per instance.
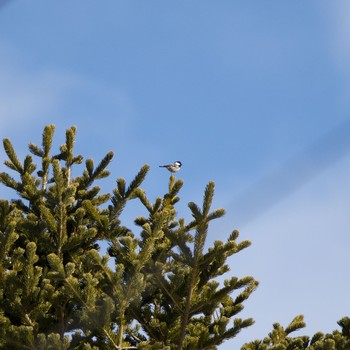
(24, 98)
(338, 13)
(293, 174)
(298, 246)
(34, 98)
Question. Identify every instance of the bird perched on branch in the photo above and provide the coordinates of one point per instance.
(173, 168)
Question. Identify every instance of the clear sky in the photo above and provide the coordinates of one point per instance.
(253, 95)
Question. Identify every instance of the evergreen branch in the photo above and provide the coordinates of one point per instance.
(218, 213)
(196, 212)
(190, 226)
(106, 269)
(179, 238)
(84, 303)
(92, 210)
(49, 218)
(166, 288)
(121, 194)
(91, 174)
(316, 337)
(77, 159)
(186, 313)
(62, 227)
(136, 182)
(15, 163)
(145, 323)
(8, 181)
(62, 155)
(121, 188)
(21, 206)
(48, 134)
(10, 165)
(296, 324)
(28, 165)
(90, 194)
(89, 166)
(44, 153)
(56, 264)
(118, 200)
(199, 241)
(156, 206)
(58, 177)
(219, 295)
(140, 194)
(215, 299)
(140, 221)
(70, 138)
(174, 186)
(208, 198)
(99, 171)
(233, 236)
(218, 254)
(45, 172)
(242, 245)
(8, 234)
(239, 324)
(253, 284)
(344, 323)
(36, 150)
(171, 182)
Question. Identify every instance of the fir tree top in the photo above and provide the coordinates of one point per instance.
(155, 290)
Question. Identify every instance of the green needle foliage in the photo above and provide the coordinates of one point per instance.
(280, 338)
(158, 287)
(155, 289)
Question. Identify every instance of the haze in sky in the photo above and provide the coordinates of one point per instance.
(253, 95)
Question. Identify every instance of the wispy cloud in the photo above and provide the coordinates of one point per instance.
(338, 13)
(293, 174)
(299, 254)
(25, 98)
(34, 97)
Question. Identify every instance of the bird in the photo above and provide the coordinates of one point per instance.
(173, 168)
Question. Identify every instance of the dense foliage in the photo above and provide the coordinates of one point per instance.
(157, 289)
(280, 338)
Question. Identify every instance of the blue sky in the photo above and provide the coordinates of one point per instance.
(251, 94)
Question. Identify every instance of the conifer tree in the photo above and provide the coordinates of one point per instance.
(51, 227)
(156, 289)
(280, 338)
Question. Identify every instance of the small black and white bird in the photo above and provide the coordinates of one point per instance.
(173, 168)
